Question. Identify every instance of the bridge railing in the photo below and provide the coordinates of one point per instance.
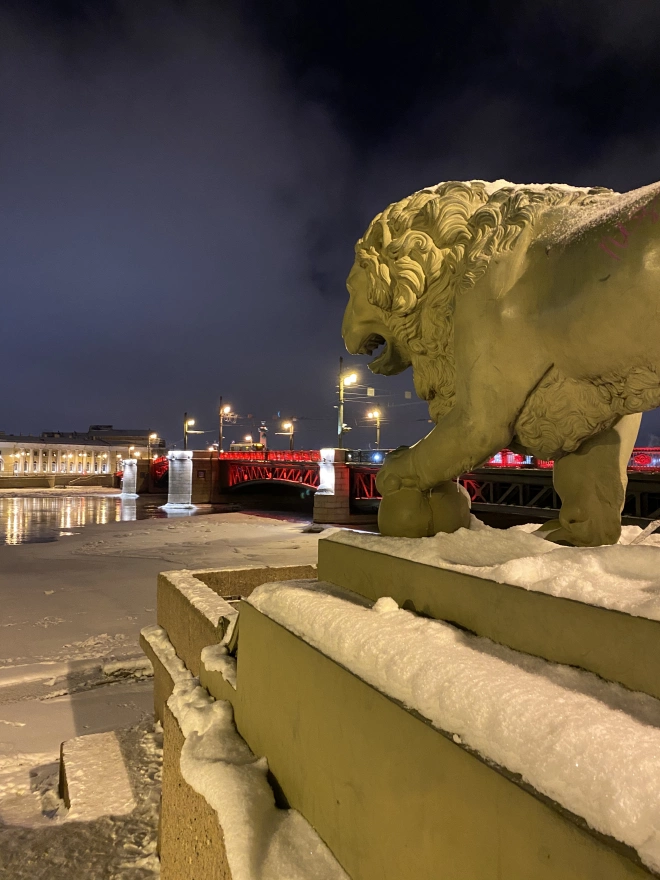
(284, 455)
(366, 456)
(643, 458)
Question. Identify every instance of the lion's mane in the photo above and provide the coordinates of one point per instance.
(422, 252)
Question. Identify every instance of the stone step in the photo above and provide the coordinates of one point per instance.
(94, 779)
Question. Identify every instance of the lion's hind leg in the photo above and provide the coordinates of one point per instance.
(591, 483)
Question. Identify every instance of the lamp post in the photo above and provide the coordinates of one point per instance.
(289, 428)
(187, 423)
(375, 414)
(223, 411)
(150, 439)
(345, 379)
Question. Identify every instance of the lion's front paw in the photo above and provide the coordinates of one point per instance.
(397, 472)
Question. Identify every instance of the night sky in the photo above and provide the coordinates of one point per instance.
(182, 184)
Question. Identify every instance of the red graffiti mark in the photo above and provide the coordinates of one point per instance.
(610, 243)
(604, 247)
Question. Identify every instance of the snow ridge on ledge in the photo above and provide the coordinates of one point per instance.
(201, 597)
(163, 648)
(262, 841)
(621, 577)
(216, 658)
(592, 746)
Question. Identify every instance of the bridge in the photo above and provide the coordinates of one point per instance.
(345, 482)
(297, 468)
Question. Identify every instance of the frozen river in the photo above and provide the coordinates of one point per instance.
(36, 519)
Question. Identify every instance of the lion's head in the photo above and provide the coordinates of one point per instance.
(418, 255)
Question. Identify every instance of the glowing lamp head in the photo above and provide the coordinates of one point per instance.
(153, 436)
(190, 422)
(351, 379)
(247, 438)
(287, 426)
(226, 410)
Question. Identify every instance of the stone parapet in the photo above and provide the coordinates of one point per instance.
(390, 794)
(241, 581)
(612, 644)
(192, 615)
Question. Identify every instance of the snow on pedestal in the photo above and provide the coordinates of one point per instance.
(179, 494)
(623, 577)
(129, 480)
(262, 841)
(592, 746)
(326, 473)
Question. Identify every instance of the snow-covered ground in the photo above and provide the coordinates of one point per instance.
(70, 616)
(40, 841)
(90, 594)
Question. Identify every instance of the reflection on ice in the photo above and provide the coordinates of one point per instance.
(127, 511)
(37, 519)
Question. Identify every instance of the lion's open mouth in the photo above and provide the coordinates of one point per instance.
(372, 343)
(390, 360)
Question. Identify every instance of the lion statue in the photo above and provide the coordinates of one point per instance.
(530, 315)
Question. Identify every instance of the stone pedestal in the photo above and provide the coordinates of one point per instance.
(179, 494)
(129, 480)
(332, 502)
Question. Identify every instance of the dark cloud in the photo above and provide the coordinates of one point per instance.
(182, 183)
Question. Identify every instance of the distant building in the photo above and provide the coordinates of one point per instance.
(97, 451)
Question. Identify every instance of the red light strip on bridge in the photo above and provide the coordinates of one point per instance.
(250, 473)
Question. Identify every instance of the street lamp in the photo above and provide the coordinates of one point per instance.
(223, 412)
(375, 414)
(150, 440)
(345, 379)
(288, 427)
(187, 423)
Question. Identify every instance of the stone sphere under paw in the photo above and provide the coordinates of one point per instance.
(406, 514)
(450, 505)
